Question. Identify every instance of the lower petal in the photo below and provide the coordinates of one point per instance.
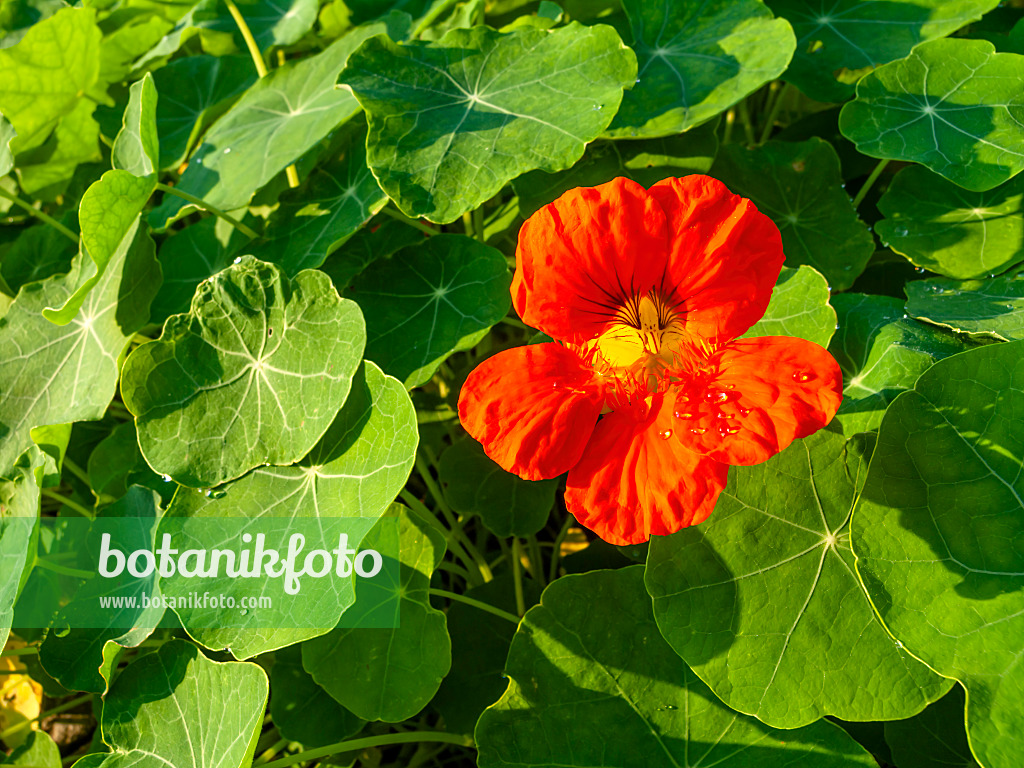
(636, 480)
(762, 394)
(532, 408)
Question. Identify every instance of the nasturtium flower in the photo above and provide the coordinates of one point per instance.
(647, 394)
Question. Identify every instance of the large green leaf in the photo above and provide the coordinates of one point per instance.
(7, 134)
(933, 738)
(312, 221)
(762, 601)
(593, 683)
(839, 39)
(47, 72)
(456, 120)
(37, 253)
(390, 674)
(645, 161)
(108, 215)
(946, 229)
(272, 125)
(953, 105)
(696, 58)
(428, 301)
(37, 751)
(53, 374)
(253, 374)
(176, 707)
(46, 171)
(507, 505)
(356, 470)
(19, 510)
(799, 307)
(881, 352)
(137, 146)
(986, 308)
(938, 535)
(193, 90)
(799, 185)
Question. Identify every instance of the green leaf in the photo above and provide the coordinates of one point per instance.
(762, 601)
(272, 125)
(116, 464)
(137, 147)
(949, 230)
(193, 91)
(645, 161)
(19, 510)
(108, 215)
(83, 657)
(428, 301)
(954, 106)
(382, 239)
(881, 352)
(696, 59)
(593, 683)
(47, 72)
(984, 308)
(301, 709)
(38, 252)
(46, 171)
(37, 751)
(799, 307)
(7, 134)
(799, 185)
(158, 713)
(937, 535)
(53, 374)
(356, 470)
(253, 374)
(272, 22)
(507, 505)
(128, 33)
(456, 120)
(837, 41)
(480, 643)
(936, 737)
(312, 221)
(390, 674)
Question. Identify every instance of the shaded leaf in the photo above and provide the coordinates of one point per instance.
(37, 751)
(7, 134)
(986, 308)
(936, 737)
(19, 510)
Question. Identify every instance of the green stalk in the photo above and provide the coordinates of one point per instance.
(557, 552)
(536, 561)
(76, 470)
(399, 216)
(28, 650)
(748, 128)
(64, 570)
(434, 14)
(472, 572)
(475, 603)
(773, 114)
(478, 224)
(863, 191)
(198, 201)
(517, 575)
(352, 745)
(69, 503)
(43, 217)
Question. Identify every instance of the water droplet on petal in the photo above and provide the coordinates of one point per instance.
(727, 429)
(698, 430)
(683, 415)
(802, 376)
(728, 386)
(715, 396)
(665, 434)
(744, 411)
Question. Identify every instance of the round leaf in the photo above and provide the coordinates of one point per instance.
(253, 374)
(799, 307)
(986, 308)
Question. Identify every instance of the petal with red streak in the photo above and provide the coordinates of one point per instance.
(759, 396)
(580, 258)
(724, 257)
(532, 408)
(634, 481)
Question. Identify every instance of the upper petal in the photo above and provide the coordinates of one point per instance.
(532, 408)
(760, 395)
(635, 480)
(724, 257)
(580, 257)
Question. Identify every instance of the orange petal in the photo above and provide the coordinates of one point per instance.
(636, 480)
(532, 408)
(763, 393)
(724, 258)
(580, 258)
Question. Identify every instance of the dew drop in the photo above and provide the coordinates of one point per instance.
(713, 396)
(166, 478)
(199, 161)
(899, 645)
(744, 411)
(208, 493)
(238, 260)
(698, 430)
(598, 107)
(802, 376)
(727, 429)
(683, 415)
(665, 434)
(728, 386)
(669, 707)
(919, 270)
(245, 611)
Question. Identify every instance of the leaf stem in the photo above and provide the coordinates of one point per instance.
(863, 191)
(76, 470)
(556, 554)
(433, 15)
(28, 650)
(250, 41)
(773, 114)
(475, 603)
(43, 217)
(69, 503)
(748, 128)
(64, 570)
(53, 711)
(475, 579)
(730, 121)
(517, 574)
(199, 202)
(536, 561)
(478, 224)
(399, 216)
(409, 737)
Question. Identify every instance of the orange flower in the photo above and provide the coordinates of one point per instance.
(647, 396)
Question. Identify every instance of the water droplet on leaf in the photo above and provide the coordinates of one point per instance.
(166, 478)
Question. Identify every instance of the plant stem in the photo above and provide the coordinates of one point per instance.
(748, 128)
(250, 41)
(780, 95)
(43, 217)
(516, 323)
(475, 603)
(69, 503)
(28, 650)
(399, 216)
(54, 711)
(453, 543)
(556, 554)
(478, 224)
(270, 752)
(431, 17)
(199, 202)
(536, 562)
(77, 573)
(409, 737)
(863, 191)
(76, 470)
(517, 574)
(730, 121)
